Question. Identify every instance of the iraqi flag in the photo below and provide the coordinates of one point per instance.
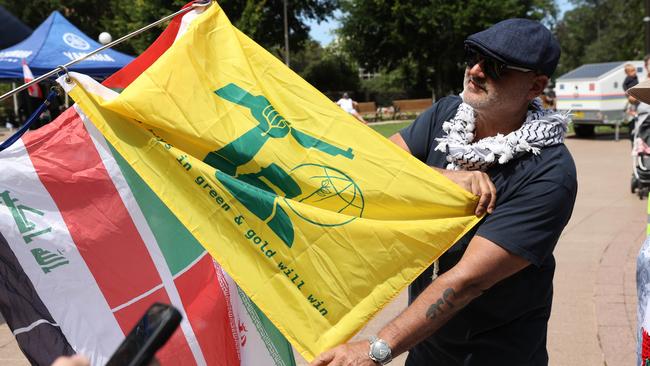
(86, 247)
(33, 90)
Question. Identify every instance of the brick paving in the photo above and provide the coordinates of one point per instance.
(594, 310)
(10, 354)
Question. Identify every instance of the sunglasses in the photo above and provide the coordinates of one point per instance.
(493, 68)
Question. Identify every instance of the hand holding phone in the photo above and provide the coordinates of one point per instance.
(149, 334)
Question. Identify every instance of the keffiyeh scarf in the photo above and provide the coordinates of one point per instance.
(542, 127)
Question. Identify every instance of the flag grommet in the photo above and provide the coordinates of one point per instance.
(58, 90)
(65, 71)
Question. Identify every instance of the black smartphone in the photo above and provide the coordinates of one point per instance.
(149, 334)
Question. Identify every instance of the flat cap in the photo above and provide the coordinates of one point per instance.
(519, 42)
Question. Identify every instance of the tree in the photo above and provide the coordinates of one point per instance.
(262, 20)
(259, 19)
(385, 87)
(424, 39)
(311, 52)
(332, 73)
(118, 17)
(600, 31)
(328, 69)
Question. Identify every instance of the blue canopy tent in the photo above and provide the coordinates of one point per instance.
(56, 42)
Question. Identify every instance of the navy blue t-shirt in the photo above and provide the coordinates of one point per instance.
(507, 324)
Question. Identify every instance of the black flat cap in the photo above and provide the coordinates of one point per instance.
(519, 42)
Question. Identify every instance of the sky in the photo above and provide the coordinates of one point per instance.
(323, 32)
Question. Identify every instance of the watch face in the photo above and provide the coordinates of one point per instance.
(380, 350)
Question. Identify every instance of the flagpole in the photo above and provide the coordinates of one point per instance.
(15, 95)
(63, 68)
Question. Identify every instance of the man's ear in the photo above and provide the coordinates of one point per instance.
(537, 88)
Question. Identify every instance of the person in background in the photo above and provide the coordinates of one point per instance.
(641, 92)
(548, 99)
(631, 79)
(487, 302)
(350, 106)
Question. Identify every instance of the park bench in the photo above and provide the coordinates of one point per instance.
(410, 108)
(368, 110)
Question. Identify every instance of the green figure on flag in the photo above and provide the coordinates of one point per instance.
(271, 125)
(254, 193)
(18, 213)
(48, 260)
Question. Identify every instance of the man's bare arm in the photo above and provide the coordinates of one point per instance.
(398, 140)
(483, 265)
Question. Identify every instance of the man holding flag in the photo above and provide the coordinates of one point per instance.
(280, 185)
(491, 298)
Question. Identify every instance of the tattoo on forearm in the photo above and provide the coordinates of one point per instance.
(436, 308)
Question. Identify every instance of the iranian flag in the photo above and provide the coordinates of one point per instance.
(86, 247)
(33, 90)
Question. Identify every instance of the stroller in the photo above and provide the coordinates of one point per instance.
(641, 155)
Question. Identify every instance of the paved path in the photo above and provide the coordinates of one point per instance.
(594, 311)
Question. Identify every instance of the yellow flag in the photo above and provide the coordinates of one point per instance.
(319, 219)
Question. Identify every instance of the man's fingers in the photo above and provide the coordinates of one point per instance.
(323, 359)
(479, 184)
(487, 194)
(75, 360)
(493, 200)
(483, 202)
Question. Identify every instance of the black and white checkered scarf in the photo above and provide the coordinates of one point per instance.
(542, 127)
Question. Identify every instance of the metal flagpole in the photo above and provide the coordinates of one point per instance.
(63, 68)
(13, 86)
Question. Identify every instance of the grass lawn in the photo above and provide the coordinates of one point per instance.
(607, 129)
(389, 129)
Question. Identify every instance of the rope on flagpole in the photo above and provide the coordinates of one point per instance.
(35, 115)
(195, 4)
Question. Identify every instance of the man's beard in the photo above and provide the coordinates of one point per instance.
(478, 99)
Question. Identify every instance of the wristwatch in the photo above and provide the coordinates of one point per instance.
(379, 351)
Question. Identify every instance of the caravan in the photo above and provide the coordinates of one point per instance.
(594, 94)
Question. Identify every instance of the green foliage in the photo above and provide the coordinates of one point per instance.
(118, 17)
(327, 69)
(311, 52)
(262, 20)
(331, 74)
(423, 38)
(386, 87)
(600, 31)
